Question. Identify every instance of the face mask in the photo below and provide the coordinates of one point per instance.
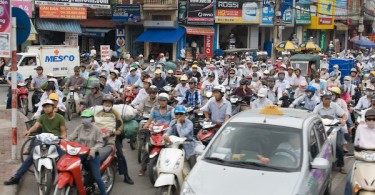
(368, 93)
(107, 108)
(86, 121)
(309, 94)
(333, 78)
(232, 65)
(371, 124)
(346, 82)
(231, 75)
(263, 69)
(281, 77)
(255, 79)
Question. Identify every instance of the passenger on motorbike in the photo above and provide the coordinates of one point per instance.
(290, 76)
(75, 81)
(324, 73)
(255, 83)
(209, 84)
(192, 96)
(262, 100)
(83, 73)
(132, 77)
(111, 120)
(171, 79)
(59, 105)
(36, 85)
(89, 135)
(219, 108)
(182, 127)
(158, 81)
(139, 82)
(310, 99)
(142, 94)
(320, 82)
(232, 81)
(337, 71)
(271, 90)
(196, 73)
(281, 84)
(149, 102)
(333, 81)
(243, 90)
(182, 87)
(104, 86)
(365, 101)
(50, 122)
(115, 84)
(50, 89)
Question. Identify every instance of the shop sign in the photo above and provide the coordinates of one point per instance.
(286, 9)
(340, 10)
(71, 39)
(325, 21)
(5, 28)
(126, 13)
(267, 15)
(58, 12)
(25, 5)
(105, 51)
(182, 11)
(237, 11)
(325, 10)
(208, 40)
(102, 4)
(120, 40)
(303, 15)
(200, 12)
(322, 40)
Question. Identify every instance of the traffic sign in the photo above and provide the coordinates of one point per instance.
(23, 24)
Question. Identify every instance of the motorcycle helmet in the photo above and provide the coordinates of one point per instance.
(109, 98)
(179, 109)
(145, 75)
(53, 96)
(48, 102)
(193, 80)
(243, 82)
(211, 74)
(219, 88)
(163, 96)
(310, 88)
(353, 70)
(335, 90)
(92, 74)
(94, 85)
(333, 74)
(88, 113)
(153, 88)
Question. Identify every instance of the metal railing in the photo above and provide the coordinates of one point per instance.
(160, 2)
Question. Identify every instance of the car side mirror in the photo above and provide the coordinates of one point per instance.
(199, 149)
(320, 163)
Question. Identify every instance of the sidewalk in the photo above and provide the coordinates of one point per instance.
(8, 166)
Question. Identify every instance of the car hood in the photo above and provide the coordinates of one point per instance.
(207, 179)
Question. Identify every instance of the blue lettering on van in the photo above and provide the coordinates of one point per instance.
(59, 58)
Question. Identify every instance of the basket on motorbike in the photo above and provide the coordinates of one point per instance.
(31, 123)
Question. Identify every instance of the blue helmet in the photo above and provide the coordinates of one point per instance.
(332, 74)
(179, 109)
(310, 88)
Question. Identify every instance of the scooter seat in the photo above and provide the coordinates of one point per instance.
(105, 152)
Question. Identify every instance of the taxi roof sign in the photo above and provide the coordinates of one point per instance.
(271, 110)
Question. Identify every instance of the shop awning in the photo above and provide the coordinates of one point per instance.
(199, 30)
(71, 26)
(340, 26)
(161, 35)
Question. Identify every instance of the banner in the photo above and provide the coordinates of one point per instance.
(182, 11)
(303, 15)
(341, 12)
(126, 13)
(78, 13)
(237, 12)
(322, 40)
(25, 5)
(103, 4)
(267, 15)
(5, 29)
(200, 12)
(287, 12)
(120, 40)
(71, 39)
(325, 10)
(105, 51)
(208, 41)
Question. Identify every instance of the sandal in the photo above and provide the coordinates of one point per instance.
(343, 171)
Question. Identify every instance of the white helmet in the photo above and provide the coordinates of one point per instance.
(220, 88)
(163, 96)
(262, 92)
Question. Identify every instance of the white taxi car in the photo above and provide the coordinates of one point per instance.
(265, 152)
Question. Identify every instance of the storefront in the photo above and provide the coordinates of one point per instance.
(96, 32)
(200, 36)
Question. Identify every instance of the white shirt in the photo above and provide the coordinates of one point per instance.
(92, 52)
(364, 137)
(124, 70)
(108, 66)
(233, 83)
(208, 86)
(116, 84)
(299, 80)
(119, 65)
(363, 103)
(183, 53)
(181, 89)
(95, 65)
(193, 44)
(281, 87)
(290, 78)
(140, 97)
(261, 103)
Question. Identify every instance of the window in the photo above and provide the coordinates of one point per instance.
(29, 61)
(314, 145)
(161, 18)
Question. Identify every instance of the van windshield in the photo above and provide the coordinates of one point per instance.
(258, 146)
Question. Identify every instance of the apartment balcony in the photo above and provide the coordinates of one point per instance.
(159, 5)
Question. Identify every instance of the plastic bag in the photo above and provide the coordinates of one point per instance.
(127, 112)
(130, 128)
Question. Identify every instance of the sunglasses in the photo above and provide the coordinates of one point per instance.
(370, 119)
(211, 76)
(177, 114)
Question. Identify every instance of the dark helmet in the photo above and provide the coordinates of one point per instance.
(244, 82)
(108, 97)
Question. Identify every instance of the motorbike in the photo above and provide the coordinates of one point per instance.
(236, 104)
(208, 131)
(142, 137)
(171, 167)
(196, 116)
(287, 99)
(23, 97)
(156, 143)
(363, 171)
(45, 156)
(36, 98)
(332, 129)
(75, 178)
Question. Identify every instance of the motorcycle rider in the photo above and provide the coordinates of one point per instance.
(107, 65)
(89, 135)
(182, 87)
(324, 73)
(83, 73)
(298, 79)
(320, 82)
(48, 91)
(52, 123)
(365, 101)
(243, 90)
(142, 94)
(95, 97)
(104, 86)
(281, 84)
(333, 81)
(337, 71)
(262, 100)
(36, 85)
(182, 127)
(111, 120)
(196, 73)
(149, 102)
(271, 90)
(59, 106)
(171, 79)
(232, 81)
(192, 96)
(290, 76)
(209, 84)
(219, 108)
(132, 77)
(77, 82)
(310, 99)
(158, 81)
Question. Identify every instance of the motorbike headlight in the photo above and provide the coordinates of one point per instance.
(186, 189)
(73, 150)
(369, 157)
(157, 129)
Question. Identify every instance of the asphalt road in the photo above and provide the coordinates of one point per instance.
(142, 185)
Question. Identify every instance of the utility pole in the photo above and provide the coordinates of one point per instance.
(361, 27)
(275, 30)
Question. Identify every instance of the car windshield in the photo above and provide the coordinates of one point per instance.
(257, 146)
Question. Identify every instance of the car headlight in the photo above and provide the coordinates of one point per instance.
(186, 189)
(73, 150)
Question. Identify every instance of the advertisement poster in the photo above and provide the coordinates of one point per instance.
(5, 28)
(208, 41)
(71, 39)
(267, 15)
(25, 5)
(322, 40)
(287, 12)
(200, 12)
(237, 11)
(105, 51)
(120, 40)
(126, 13)
(182, 11)
(58, 12)
(303, 15)
(325, 10)
(103, 4)
(340, 10)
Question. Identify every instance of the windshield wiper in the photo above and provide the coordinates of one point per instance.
(243, 163)
(215, 159)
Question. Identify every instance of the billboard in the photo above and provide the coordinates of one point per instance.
(267, 15)
(200, 12)
(103, 4)
(5, 28)
(303, 15)
(126, 13)
(60, 12)
(237, 12)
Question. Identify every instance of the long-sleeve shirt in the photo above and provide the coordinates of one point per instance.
(142, 94)
(363, 103)
(88, 135)
(310, 103)
(147, 104)
(364, 137)
(159, 83)
(181, 90)
(130, 80)
(76, 80)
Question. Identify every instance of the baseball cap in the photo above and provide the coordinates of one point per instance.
(170, 71)
(195, 66)
(53, 96)
(48, 101)
(131, 69)
(370, 113)
(152, 61)
(38, 68)
(158, 71)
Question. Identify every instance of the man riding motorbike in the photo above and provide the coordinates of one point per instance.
(49, 90)
(182, 87)
(142, 94)
(310, 99)
(77, 82)
(95, 97)
(36, 85)
(365, 101)
(243, 90)
(193, 96)
(262, 100)
(219, 108)
(209, 84)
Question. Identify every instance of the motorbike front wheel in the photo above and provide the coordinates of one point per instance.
(46, 181)
(141, 149)
(108, 177)
(166, 190)
(24, 106)
(62, 191)
(151, 169)
(133, 142)
(69, 111)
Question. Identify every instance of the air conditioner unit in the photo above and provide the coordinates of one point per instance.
(160, 24)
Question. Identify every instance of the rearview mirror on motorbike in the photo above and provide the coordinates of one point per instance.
(320, 163)
(199, 149)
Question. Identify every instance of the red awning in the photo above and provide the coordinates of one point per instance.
(199, 30)
(94, 23)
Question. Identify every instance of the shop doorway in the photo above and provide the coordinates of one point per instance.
(157, 48)
(240, 34)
